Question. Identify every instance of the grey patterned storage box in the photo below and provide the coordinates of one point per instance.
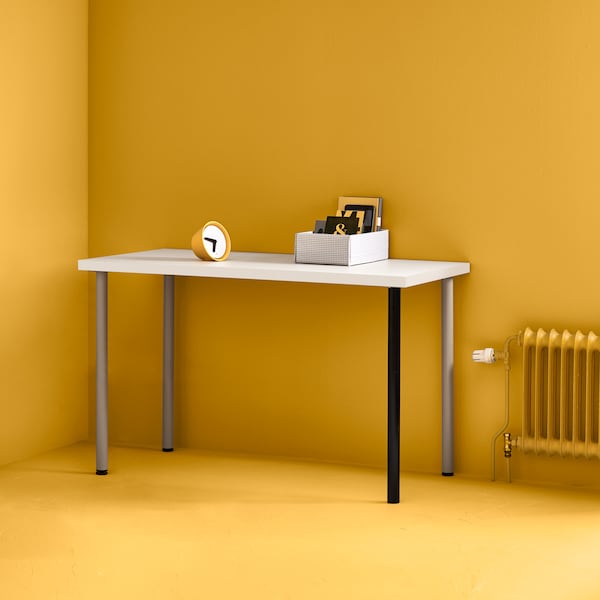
(345, 250)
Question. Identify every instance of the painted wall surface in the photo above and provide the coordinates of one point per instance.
(43, 228)
(478, 123)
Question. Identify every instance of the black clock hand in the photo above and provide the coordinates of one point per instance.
(214, 243)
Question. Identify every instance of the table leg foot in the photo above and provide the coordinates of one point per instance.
(101, 471)
(167, 449)
(447, 474)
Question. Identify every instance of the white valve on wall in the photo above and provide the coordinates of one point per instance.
(486, 356)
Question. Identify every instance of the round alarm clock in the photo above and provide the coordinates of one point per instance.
(212, 242)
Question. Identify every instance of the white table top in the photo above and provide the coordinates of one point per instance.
(276, 267)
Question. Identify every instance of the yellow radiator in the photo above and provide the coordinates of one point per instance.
(561, 393)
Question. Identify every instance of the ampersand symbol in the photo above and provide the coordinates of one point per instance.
(340, 229)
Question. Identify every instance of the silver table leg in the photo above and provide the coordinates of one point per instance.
(448, 377)
(101, 373)
(168, 354)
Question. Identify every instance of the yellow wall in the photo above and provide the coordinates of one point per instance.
(477, 122)
(43, 228)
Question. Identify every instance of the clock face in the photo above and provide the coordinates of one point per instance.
(212, 242)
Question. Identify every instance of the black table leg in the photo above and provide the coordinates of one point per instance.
(393, 457)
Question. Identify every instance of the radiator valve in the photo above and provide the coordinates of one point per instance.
(508, 444)
(486, 356)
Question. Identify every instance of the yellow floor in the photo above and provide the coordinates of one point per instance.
(197, 525)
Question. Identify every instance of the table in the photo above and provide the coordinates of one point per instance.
(393, 274)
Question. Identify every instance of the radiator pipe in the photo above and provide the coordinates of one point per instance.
(506, 357)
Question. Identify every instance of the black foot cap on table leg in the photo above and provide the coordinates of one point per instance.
(101, 471)
(447, 474)
(167, 449)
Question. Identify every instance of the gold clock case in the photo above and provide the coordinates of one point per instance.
(198, 242)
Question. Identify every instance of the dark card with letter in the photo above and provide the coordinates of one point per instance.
(368, 220)
(341, 225)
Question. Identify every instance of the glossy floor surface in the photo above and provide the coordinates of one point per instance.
(196, 525)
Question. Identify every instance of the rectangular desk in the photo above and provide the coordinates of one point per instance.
(392, 274)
